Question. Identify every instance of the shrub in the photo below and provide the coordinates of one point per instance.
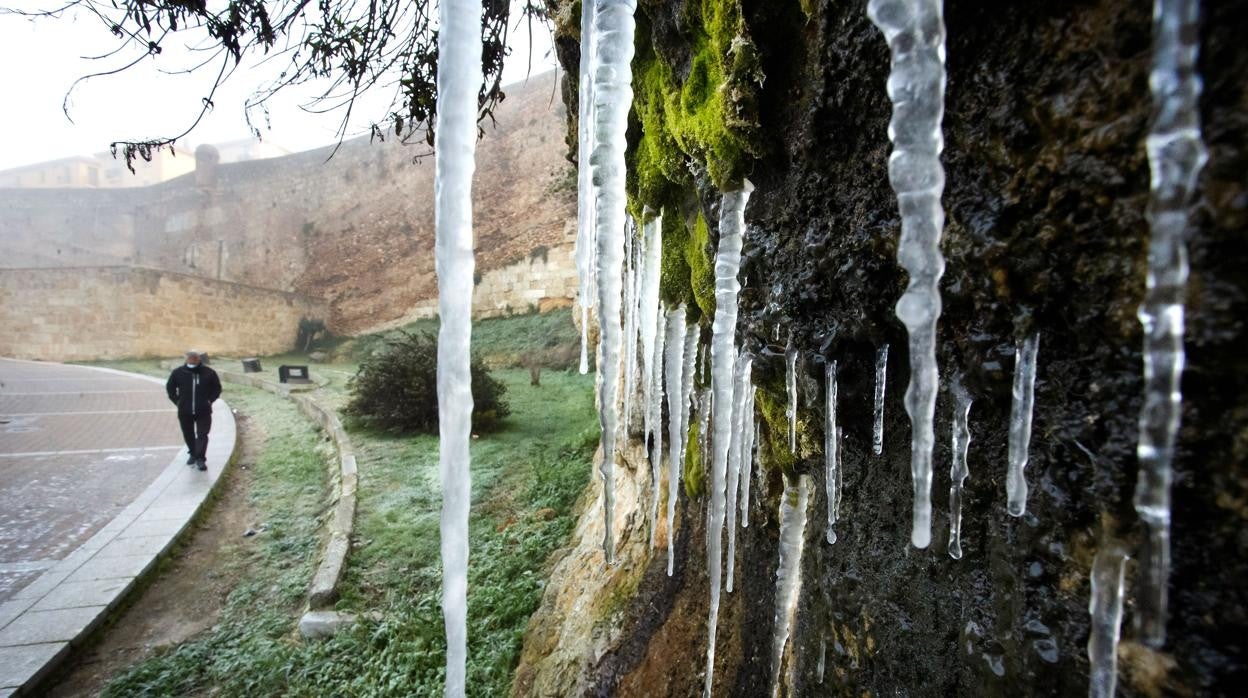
(396, 388)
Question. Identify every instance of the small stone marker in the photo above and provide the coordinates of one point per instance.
(315, 625)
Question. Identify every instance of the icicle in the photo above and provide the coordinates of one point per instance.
(648, 324)
(747, 458)
(790, 383)
(613, 94)
(651, 321)
(1023, 394)
(789, 573)
(585, 180)
(459, 80)
(632, 269)
(1175, 156)
(1105, 607)
(881, 374)
(677, 414)
(736, 454)
(654, 397)
(686, 386)
(915, 31)
(959, 471)
(823, 657)
(723, 358)
(831, 449)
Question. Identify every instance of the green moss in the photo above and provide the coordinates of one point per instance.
(695, 475)
(710, 117)
(809, 8)
(773, 452)
(674, 274)
(698, 256)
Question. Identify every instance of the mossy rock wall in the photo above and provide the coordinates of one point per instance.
(1047, 185)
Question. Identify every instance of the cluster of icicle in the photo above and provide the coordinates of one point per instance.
(459, 79)
(725, 395)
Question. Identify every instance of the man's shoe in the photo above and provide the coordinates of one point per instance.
(202, 464)
(190, 460)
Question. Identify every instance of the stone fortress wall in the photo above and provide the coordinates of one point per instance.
(118, 312)
(354, 229)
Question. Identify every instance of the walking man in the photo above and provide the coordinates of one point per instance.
(193, 387)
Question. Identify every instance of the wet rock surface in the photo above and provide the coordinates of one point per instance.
(1047, 184)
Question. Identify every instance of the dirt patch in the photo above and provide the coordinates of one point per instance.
(186, 596)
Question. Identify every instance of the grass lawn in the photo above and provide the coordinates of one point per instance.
(526, 480)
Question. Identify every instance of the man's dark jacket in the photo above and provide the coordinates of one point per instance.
(193, 389)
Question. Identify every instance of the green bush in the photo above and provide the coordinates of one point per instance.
(396, 389)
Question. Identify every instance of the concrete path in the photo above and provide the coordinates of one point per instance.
(94, 487)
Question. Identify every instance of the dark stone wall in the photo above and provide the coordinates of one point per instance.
(1047, 184)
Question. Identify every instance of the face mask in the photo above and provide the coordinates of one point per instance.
(192, 365)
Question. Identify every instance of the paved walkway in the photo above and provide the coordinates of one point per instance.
(93, 488)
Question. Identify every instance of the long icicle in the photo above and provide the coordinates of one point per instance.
(958, 472)
(585, 181)
(1022, 404)
(1105, 608)
(655, 418)
(831, 449)
(677, 416)
(789, 571)
(737, 454)
(613, 94)
(632, 269)
(459, 80)
(723, 354)
(877, 413)
(790, 385)
(687, 381)
(1175, 156)
(915, 31)
(747, 457)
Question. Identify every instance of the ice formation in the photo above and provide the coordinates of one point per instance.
(654, 417)
(650, 326)
(1023, 399)
(831, 449)
(585, 181)
(632, 269)
(1176, 156)
(459, 80)
(877, 414)
(648, 322)
(677, 411)
(915, 31)
(790, 386)
(686, 386)
(747, 459)
(1105, 607)
(958, 472)
(789, 572)
(737, 453)
(723, 360)
(823, 658)
(613, 95)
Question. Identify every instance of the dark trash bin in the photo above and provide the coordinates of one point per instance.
(293, 374)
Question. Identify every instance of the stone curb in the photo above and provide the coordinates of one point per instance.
(81, 567)
(323, 591)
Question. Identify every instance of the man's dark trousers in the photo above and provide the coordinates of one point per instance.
(195, 428)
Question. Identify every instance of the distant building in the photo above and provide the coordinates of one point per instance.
(103, 171)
